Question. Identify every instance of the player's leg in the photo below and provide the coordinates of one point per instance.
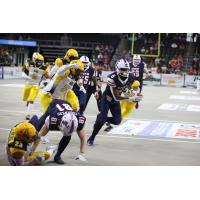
(61, 147)
(127, 108)
(99, 100)
(72, 99)
(88, 95)
(82, 100)
(45, 100)
(31, 98)
(100, 120)
(25, 96)
(115, 110)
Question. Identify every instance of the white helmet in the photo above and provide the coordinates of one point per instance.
(34, 56)
(85, 60)
(122, 68)
(136, 59)
(68, 124)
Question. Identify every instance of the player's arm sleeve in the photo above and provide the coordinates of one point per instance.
(53, 71)
(145, 69)
(64, 68)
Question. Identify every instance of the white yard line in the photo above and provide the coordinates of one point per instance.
(140, 138)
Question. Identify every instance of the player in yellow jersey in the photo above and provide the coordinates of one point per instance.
(65, 73)
(128, 107)
(18, 147)
(32, 73)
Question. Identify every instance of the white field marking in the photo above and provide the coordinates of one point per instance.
(189, 98)
(137, 138)
(12, 85)
(155, 120)
(94, 116)
(188, 92)
(19, 111)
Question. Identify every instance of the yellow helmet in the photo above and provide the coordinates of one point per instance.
(71, 54)
(80, 66)
(25, 132)
(39, 60)
(135, 84)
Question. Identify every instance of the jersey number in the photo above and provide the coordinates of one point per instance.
(63, 107)
(136, 72)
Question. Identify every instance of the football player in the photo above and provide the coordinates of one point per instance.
(21, 136)
(82, 85)
(95, 85)
(117, 83)
(60, 86)
(138, 68)
(61, 116)
(32, 72)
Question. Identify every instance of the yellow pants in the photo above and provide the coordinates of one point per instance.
(72, 99)
(46, 99)
(30, 92)
(127, 108)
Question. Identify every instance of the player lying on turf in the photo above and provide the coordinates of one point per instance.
(118, 83)
(60, 116)
(18, 148)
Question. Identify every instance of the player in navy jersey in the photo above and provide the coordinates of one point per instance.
(118, 83)
(138, 68)
(95, 85)
(81, 86)
(61, 116)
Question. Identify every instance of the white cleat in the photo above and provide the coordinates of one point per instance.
(81, 158)
(44, 140)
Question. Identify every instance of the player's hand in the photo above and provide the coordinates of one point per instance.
(96, 94)
(82, 89)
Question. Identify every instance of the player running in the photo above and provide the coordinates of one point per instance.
(117, 84)
(32, 73)
(61, 116)
(21, 136)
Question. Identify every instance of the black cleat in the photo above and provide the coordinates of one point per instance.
(59, 161)
(108, 128)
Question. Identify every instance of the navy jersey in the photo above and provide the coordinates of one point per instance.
(138, 71)
(86, 76)
(57, 109)
(98, 77)
(114, 81)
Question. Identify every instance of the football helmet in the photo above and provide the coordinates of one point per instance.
(135, 84)
(122, 68)
(71, 54)
(80, 67)
(68, 124)
(25, 132)
(136, 59)
(39, 60)
(34, 56)
(86, 62)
